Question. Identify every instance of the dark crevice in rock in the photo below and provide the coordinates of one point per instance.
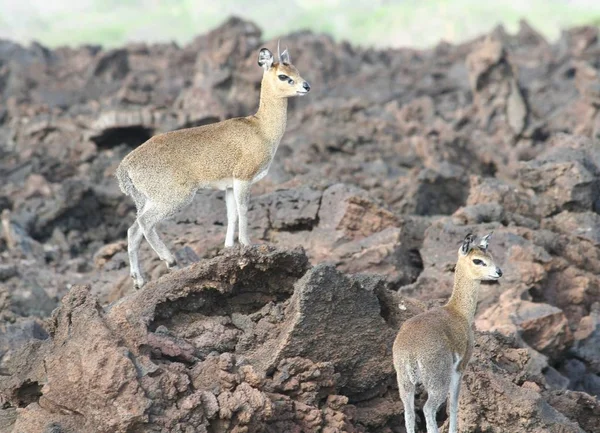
(385, 311)
(416, 261)
(212, 303)
(300, 226)
(29, 392)
(132, 136)
(156, 355)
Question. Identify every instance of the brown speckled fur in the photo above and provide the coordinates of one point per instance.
(163, 174)
(434, 347)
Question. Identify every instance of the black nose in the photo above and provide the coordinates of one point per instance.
(499, 272)
(306, 86)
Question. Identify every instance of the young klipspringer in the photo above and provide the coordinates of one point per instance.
(434, 347)
(163, 174)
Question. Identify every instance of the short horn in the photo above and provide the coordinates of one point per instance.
(285, 56)
(483, 243)
(278, 51)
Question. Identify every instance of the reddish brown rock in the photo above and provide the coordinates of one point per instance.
(544, 327)
(565, 176)
(497, 96)
(310, 325)
(392, 159)
(482, 390)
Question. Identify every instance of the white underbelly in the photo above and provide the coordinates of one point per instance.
(221, 184)
(227, 183)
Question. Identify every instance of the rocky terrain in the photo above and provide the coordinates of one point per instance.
(386, 165)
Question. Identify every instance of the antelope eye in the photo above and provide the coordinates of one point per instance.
(285, 78)
(479, 262)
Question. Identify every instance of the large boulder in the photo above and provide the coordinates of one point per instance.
(498, 402)
(325, 302)
(566, 176)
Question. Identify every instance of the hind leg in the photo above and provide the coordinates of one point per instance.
(437, 375)
(407, 395)
(436, 395)
(152, 215)
(161, 249)
(134, 239)
(435, 398)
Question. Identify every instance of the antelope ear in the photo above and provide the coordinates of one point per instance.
(265, 59)
(285, 57)
(466, 245)
(483, 243)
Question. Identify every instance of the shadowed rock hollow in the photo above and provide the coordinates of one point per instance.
(393, 158)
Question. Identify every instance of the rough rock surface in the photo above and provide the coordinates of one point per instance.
(385, 166)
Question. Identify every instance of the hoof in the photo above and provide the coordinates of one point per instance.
(172, 265)
(138, 282)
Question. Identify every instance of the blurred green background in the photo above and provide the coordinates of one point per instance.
(415, 23)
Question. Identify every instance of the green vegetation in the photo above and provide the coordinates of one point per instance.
(417, 23)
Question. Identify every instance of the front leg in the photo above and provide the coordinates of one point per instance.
(453, 400)
(241, 192)
(232, 217)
